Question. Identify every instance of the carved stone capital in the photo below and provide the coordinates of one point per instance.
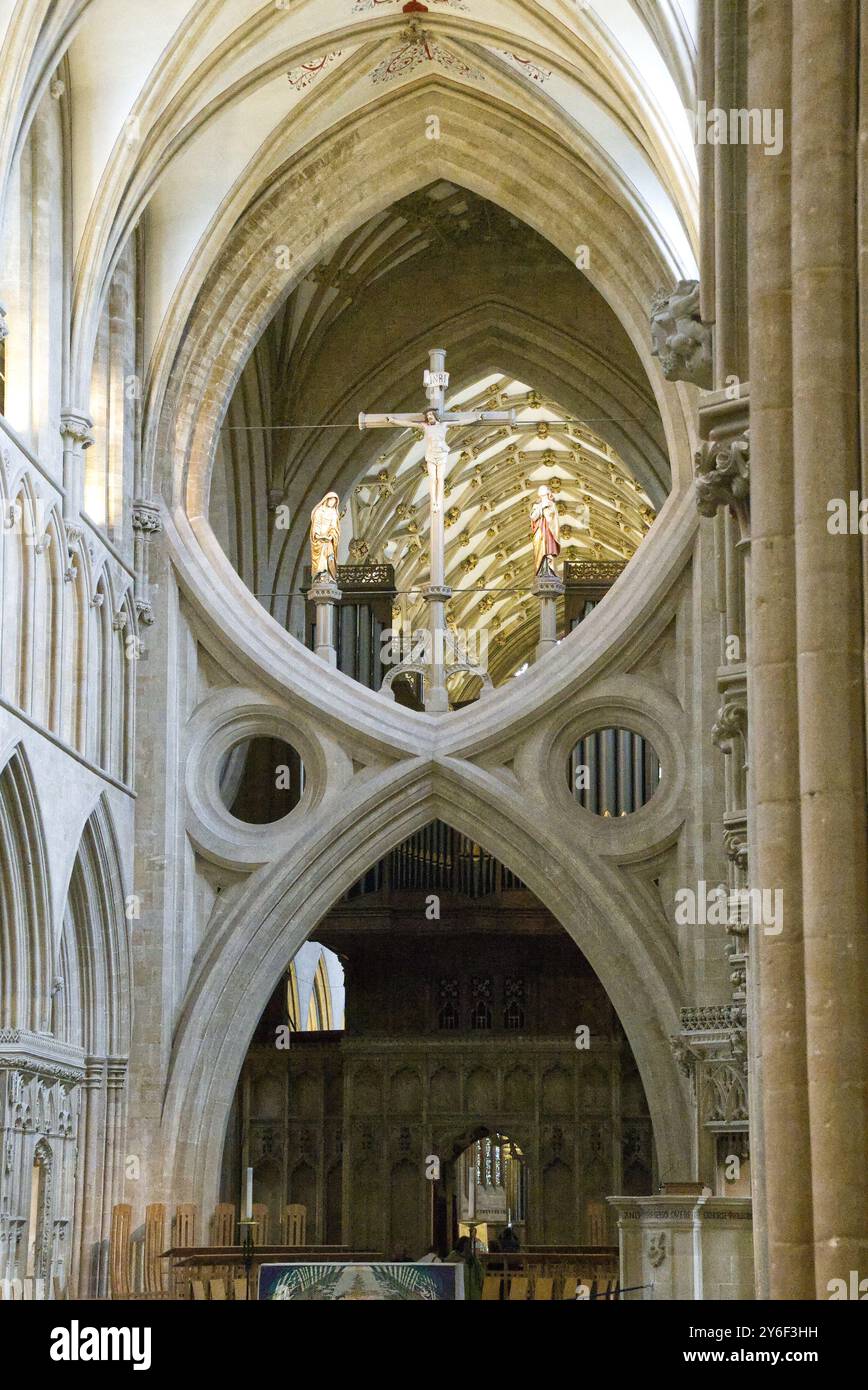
(76, 429)
(547, 586)
(324, 590)
(679, 338)
(723, 477)
(116, 1073)
(433, 593)
(146, 518)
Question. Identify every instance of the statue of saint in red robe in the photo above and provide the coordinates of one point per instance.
(545, 529)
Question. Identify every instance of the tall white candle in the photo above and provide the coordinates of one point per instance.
(248, 1214)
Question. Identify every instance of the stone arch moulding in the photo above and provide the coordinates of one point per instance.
(629, 702)
(198, 363)
(223, 720)
(283, 904)
(226, 609)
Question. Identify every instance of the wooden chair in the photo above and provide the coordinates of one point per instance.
(223, 1224)
(294, 1224)
(218, 1291)
(183, 1237)
(119, 1250)
(185, 1225)
(491, 1287)
(198, 1289)
(543, 1288)
(223, 1233)
(518, 1288)
(155, 1244)
(261, 1217)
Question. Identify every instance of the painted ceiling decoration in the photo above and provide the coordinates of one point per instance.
(301, 77)
(413, 7)
(531, 70)
(418, 47)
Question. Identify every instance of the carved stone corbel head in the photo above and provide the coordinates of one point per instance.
(679, 338)
(723, 478)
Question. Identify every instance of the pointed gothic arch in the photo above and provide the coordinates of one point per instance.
(197, 370)
(25, 918)
(94, 1014)
(95, 941)
(285, 902)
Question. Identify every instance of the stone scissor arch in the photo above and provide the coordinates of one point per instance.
(284, 903)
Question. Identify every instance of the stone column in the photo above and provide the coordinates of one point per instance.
(115, 1163)
(775, 856)
(831, 695)
(548, 589)
(86, 1263)
(4, 334)
(325, 594)
(146, 523)
(76, 431)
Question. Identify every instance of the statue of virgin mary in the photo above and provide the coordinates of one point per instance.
(325, 536)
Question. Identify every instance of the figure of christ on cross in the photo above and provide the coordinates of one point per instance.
(435, 422)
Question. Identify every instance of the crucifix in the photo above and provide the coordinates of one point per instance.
(435, 422)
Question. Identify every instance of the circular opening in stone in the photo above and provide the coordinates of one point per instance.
(261, 780)
(613, 772)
